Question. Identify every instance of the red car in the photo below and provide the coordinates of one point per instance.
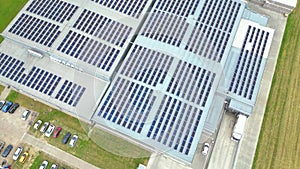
(56, 132)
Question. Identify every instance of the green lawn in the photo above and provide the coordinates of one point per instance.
(1, 88)
(43, 156)
(279, 141)
(8, 10)
(101, 149)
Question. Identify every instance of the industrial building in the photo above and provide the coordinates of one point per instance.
(158, 72)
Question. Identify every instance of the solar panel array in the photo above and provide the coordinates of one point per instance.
(249, 62)
(128, 104)
(147, 66)
(191, 83)
(10, 67)
(40, 80)
(56, 10)
(70, 93)
(132, 8)
(102, 27)
(178, 7)
(210, 36)
(175, 124)
(35, 29)
(165, 27)
(88, 50)
(131, 97)
(211, 33)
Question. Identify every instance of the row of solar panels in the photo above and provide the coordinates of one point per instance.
(40, 80)
(101, 50)
(131, 97)
(167, 23)
(244, 80)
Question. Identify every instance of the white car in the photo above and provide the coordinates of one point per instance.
(73, 141)
(37, 124)
(205, 149)
(17, 153)
(25, 115)
(44, 127)
(54, 166)
(44, 165)
(50, 130)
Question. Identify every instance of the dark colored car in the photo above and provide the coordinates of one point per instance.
(13, 108)
(7, 150)
(56, 132)
(66, 138)
(6, 107)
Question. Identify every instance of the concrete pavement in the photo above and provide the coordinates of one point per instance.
(246, 151)
(57, 153)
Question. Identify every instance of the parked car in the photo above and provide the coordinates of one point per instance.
(2, 103)
(44, 165)
(66, 138)
(73, 141)
(205, 149)
(17, 153)
(7, 150)
(44, 127)
(6, 106)
(56, 132)
(23, 157)
(50, 130)
(54, 166)
(25, 115)
(13, 108)
(37, 124)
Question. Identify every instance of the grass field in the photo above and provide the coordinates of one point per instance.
(279, 141)
(43, 156)
(87, 148)
(8, 10)
(1, 88)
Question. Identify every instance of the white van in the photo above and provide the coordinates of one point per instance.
(238, 128)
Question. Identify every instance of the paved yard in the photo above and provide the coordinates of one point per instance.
(12, 129)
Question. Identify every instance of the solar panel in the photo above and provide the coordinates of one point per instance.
(165, 27)
(70, 93)
(128, 104)
(191, 83)
(249, 63)
(173, 125)
(147, 66)
(178, 7)
(36, 30)
(88, 50)
(132, 8)
(53, 9)
(213, 28)
(37, 78)
(10, 67)
(102, 27)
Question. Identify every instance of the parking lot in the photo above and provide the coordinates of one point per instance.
(12, 129)
(15, 131)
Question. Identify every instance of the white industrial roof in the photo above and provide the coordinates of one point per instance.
(292, 3)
